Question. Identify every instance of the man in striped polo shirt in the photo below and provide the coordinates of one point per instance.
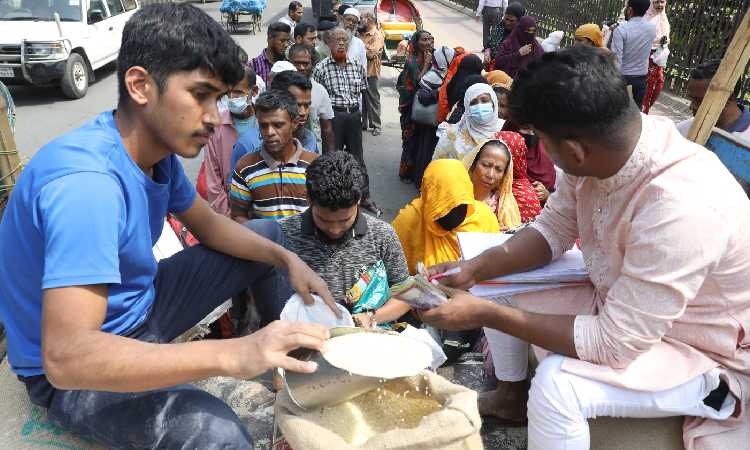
(270, 184)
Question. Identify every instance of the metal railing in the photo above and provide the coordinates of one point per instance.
(701, 29)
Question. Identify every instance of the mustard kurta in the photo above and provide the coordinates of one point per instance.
(445, 185)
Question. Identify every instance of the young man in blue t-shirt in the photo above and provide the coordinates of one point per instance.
(88, 311)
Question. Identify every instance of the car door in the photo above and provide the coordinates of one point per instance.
(98, 45)
(116, 21)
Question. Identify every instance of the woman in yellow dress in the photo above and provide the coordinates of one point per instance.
(427, 227)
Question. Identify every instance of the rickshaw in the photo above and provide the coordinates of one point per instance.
(398, 19)
(232, 11)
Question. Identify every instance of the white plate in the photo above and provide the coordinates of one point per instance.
(6, 72)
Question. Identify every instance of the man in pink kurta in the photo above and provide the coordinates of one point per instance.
(664, 328)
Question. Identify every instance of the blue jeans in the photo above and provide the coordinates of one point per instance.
(189, 285)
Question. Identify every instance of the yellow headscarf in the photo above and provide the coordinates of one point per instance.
(592, 32)
(499, 78)
(508, 214)
(445, 185)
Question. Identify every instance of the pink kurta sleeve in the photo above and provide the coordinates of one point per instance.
(557, 222)
(668, 253)
(215, 182)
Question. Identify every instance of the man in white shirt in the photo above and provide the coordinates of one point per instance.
(321, 110)
(357, 51)
(293, 17)
(491, 12)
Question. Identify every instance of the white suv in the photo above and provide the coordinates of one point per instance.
(46, 42)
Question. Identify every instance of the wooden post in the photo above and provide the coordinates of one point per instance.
(10, 164)
(722, 84)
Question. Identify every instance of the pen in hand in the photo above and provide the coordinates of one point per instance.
(445, 274)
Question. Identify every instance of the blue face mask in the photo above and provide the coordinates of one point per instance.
(482, 113)
(237, 105)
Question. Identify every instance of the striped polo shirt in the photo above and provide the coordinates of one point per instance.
(265, 188)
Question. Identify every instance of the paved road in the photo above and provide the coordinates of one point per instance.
(44, 114)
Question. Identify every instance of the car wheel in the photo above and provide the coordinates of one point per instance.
(75, 81)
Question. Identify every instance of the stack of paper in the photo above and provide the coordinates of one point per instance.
(569, 269)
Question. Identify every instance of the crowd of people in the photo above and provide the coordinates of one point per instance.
(550, 145)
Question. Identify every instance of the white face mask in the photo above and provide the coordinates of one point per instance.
(483, 113)
(237, 105)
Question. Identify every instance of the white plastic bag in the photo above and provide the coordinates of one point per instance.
(660, 56)
(296, 311)
(438, 355)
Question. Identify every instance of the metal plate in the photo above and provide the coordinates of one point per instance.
(6, 72)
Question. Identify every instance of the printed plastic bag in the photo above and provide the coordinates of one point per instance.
(371, 291)
(296, 311)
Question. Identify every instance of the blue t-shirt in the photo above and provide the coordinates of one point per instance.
(83, 213)
(251, 142)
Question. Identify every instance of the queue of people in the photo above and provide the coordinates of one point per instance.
(89, 322)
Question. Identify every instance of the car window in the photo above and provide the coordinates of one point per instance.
(130, 5)
(98, 5)
(68, 10)
(115, 7)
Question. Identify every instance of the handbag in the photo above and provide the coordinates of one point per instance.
(424, 115)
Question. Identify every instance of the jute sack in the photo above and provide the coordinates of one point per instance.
(25, 426)
(454, 427)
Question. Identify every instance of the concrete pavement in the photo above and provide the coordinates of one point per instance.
(44, 114)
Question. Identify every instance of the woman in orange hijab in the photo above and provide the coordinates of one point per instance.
(590, 34)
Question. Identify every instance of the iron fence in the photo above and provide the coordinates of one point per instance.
(701, 29)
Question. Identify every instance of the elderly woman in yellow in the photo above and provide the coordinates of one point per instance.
(488, 166)
(428, 225)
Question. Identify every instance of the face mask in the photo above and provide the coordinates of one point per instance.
(483, 113)
(237, 105)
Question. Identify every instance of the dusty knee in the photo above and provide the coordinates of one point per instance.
(200, 420)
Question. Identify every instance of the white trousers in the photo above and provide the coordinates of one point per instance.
(510, 355)
(560, 404)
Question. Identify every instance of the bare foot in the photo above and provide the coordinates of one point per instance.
(507, 402)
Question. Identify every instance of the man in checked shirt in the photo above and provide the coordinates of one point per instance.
(345, 80)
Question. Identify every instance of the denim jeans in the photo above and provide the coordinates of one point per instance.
(638, 83)
(189, 285)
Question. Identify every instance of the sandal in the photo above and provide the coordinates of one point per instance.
(373, 208)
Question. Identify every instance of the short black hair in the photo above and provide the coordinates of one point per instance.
(343, 8)
(334, 181)
(302, 28)
(639, 6)
(299, 48)
(515, 9)
(293, 5)
(706, 71)
(572, 92)
(274, 100)
(279, 27)
(175, 37)
(287, 78)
